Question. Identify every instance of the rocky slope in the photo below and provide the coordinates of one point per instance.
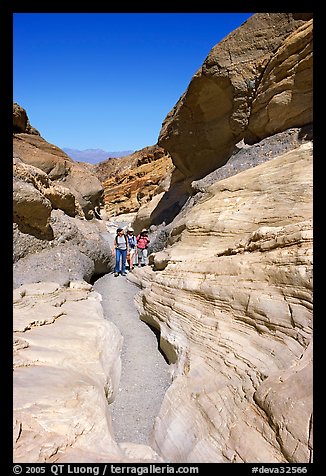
(55, 234)
(132, 181)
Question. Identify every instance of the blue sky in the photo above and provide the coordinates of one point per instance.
(108, 80)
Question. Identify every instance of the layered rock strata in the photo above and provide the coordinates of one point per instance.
(232, 298)
(66, 371)
(136, 180)
(231, 294)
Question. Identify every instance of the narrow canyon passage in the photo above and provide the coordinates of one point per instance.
(145, 374)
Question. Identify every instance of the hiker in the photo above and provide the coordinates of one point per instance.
(132, 243)
(142, 245)
(121, 249)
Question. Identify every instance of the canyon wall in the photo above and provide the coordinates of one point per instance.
(55, 233)
(231, 293)
(66, 177)
(66, 355)
(133, 181)
(232, 298)
(257, 81)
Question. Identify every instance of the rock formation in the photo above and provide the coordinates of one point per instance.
(229, 289)
(21, 122)
(232, 298)
(66, 355)
(231, 294)
(283, 97)
(132, 181)
(66, 370)
(260, 69)
(55, 237)
(61, 170)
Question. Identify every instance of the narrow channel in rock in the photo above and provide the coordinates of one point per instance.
(145, 375)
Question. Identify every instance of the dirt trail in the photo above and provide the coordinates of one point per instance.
(145, 374)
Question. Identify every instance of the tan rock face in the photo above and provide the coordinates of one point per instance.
(231, 294)
(66, 371)
(53, 384)
(284, 95)
(212, 116)
(36, 151)
(34, 197)
(85, 189)
(21, 122)
(136, 182)
(52, 196)
(31, 210)
(165, 206)
(233, 301)
(19, 118)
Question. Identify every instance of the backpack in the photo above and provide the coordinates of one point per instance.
(132, 241)
(116, 239)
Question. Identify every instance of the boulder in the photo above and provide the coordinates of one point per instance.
(33, 150)
(212, 116)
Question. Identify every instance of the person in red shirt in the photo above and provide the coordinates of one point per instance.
(142, 245)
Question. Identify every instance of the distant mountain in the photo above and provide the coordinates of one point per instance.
(93, 156)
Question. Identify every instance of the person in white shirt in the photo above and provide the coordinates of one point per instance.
(120, 249)
(132, 254)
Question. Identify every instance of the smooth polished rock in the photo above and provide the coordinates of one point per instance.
(233, 304)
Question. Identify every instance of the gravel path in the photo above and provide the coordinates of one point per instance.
(145, 374)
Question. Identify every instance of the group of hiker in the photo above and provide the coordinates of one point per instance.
(130, 250)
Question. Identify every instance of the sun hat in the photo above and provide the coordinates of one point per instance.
(130, 229)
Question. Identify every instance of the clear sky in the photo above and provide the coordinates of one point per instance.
(108, 80)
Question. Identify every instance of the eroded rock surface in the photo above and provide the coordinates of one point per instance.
(283, 97)
(63, 175)
(232, 297)
(230, 292)
(55, 234)
(78, 250)
(260, 74)
(66, 371)
(134, 180)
